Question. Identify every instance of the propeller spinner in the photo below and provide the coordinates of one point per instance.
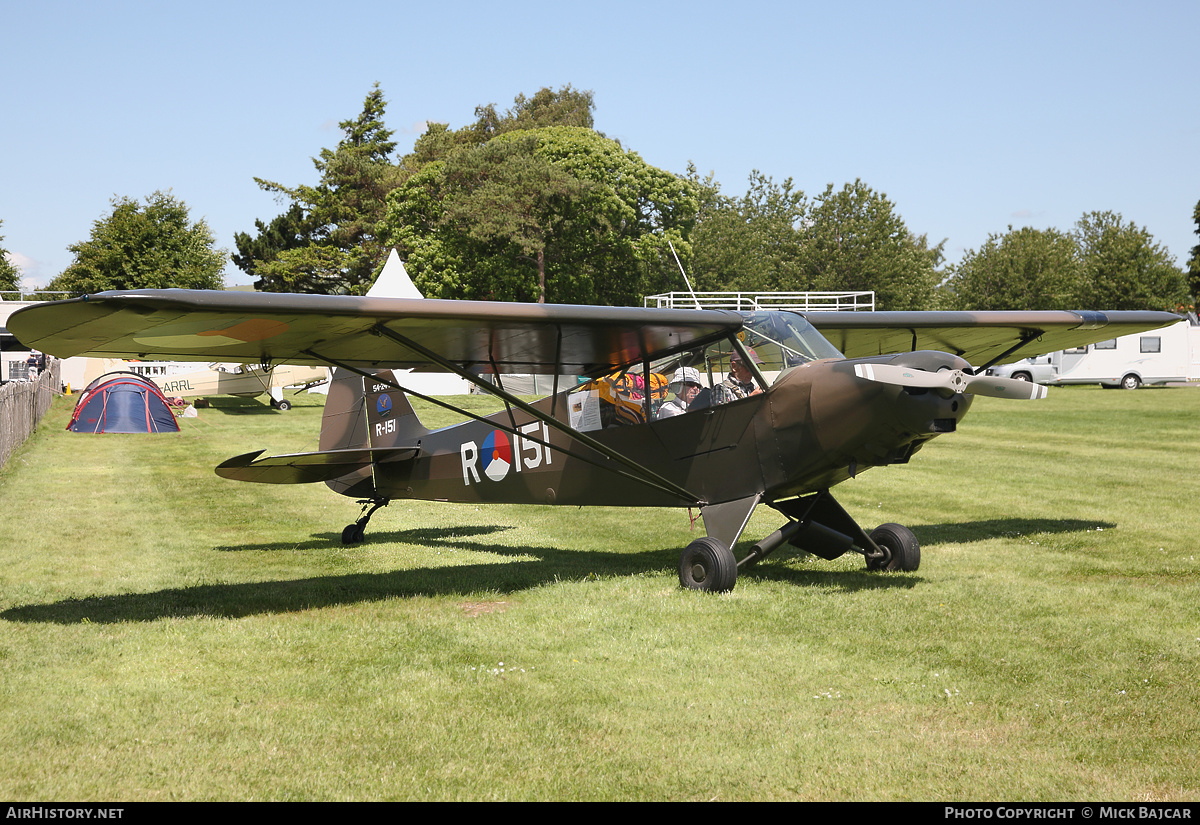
(953, 381)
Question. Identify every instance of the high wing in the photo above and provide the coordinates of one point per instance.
(487, 336)
(982, 338)
(364, 332)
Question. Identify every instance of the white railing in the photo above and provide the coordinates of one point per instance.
(755, 301)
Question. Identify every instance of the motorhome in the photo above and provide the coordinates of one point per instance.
(1164, 356)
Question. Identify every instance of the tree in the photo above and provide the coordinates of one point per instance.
(326, 242)
(1194, 261)
(10, 276)
(854, 240)
(752, 242)
(564, 107)
(1023, 269)
(505, 192)
(291, 230)
(137, 247)
(560, 213)
(1123, 268)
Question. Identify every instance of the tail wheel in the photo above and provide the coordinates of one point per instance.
(707, 564)
(353, 533)
(902, 546)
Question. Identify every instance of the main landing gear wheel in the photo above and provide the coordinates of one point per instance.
(284, 405)
(707, 564)
(902, 546)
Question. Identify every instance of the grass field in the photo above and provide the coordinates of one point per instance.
(169, 635)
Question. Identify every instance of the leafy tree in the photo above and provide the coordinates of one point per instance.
(1022, 269)
(564, 107)
(151, 246)
(506, 193)
(326, 242)
(752, 242)
(10, 276)
(854, 240)
(1194, 261)
(1123, 267)
(559, 213)
(291, 230)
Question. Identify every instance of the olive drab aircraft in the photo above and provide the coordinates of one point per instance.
(821, 397)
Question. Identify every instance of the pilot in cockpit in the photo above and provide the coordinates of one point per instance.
(685, 384)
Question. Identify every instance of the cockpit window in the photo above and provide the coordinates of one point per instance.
(775, 341)
(783, 340)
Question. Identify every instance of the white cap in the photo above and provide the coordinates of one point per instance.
(684, 375)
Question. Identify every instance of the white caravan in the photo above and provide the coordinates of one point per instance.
(1166, 355)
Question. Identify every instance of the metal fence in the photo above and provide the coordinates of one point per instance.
(22, 405)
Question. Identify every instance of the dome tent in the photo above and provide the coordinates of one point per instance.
(122, 402)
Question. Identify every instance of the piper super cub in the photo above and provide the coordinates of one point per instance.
(824, 396)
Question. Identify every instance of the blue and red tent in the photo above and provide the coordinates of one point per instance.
(122, 402)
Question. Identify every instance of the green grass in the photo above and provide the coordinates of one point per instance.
(166, 634)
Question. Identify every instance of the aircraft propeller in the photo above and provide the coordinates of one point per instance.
(954, 381)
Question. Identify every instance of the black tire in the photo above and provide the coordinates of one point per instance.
(284, 405)
(901, 543)
(353, 534)
(1130, 382)
(707, 564)
(1022, 376)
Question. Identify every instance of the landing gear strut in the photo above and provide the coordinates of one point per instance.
(356, 532)
(816, 524)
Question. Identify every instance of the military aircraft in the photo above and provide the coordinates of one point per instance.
(831, 395)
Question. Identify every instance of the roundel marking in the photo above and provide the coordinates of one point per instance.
(496, 455)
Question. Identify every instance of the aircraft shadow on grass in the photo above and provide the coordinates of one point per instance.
(551, 564)
(970, 531)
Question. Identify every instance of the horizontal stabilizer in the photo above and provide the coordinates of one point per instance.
(305, 468)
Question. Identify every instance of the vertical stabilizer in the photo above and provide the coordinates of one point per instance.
(364, 413)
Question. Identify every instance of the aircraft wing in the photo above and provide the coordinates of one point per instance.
(981, 338)
(364, 332)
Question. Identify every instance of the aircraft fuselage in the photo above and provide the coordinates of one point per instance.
(816, 426)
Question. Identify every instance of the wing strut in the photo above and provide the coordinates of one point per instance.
(1025, 339)
(641, 474)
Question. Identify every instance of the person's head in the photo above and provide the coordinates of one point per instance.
(685, 383)
(741, 371)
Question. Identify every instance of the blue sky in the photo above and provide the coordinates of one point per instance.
(971, 116)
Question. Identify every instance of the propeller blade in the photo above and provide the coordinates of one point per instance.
(954, 381)
(1005, 388)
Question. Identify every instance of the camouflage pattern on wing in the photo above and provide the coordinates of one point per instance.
(978, 337)
(198, 325)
